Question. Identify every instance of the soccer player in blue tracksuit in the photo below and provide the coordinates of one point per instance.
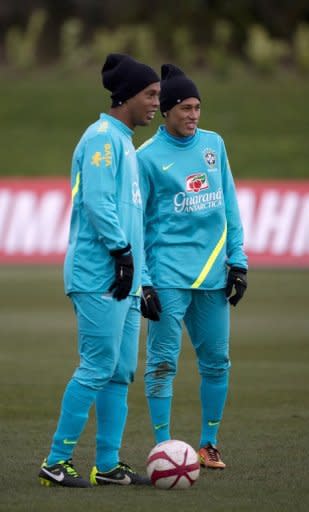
(194, 257)
(102, 275)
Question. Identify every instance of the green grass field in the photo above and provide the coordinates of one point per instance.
(264, 435)
(263, 120)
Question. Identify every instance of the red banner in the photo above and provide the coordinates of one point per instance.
(35, 215)
(275, 216)
(34, 220)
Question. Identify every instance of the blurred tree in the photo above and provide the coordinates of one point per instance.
(197, 18)
(301, 48)
(218, 55)
(263, 51)
(280, 17)
(22, 46)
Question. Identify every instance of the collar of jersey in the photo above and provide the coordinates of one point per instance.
(180, 142)
(119, 124)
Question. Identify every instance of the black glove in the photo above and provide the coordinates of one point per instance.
(124, 270)
(150, 304)
(236, 278)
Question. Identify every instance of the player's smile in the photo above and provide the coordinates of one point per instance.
(191, 125)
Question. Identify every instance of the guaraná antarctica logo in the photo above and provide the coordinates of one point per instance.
(196, 182)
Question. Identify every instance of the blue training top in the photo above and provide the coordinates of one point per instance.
(192, 228)
(106, 207)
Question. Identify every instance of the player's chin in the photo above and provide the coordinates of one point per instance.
(145, 121)
(187, 133)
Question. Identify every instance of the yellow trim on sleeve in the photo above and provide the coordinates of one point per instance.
(76, 186)
(138, 292)
(211, 260)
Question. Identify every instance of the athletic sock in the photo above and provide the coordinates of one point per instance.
(213, 393)
(111, 411)
(160, 413)
(76, 402)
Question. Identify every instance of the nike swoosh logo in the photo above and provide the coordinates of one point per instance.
(213, 423)
(166, 167)
(58, 478)
(67, 441)
(162, 425)
(126, 480)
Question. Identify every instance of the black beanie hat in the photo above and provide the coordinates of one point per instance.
(125, 77)
(175, 87)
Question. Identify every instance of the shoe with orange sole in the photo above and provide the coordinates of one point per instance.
(210, 457)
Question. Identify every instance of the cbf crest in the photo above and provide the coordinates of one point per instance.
(210, 158)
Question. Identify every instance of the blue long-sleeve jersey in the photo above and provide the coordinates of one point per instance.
(106, 207)
(192, 227)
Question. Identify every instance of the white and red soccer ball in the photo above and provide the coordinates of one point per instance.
(173, 465)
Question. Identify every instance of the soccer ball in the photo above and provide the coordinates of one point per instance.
(173, 465)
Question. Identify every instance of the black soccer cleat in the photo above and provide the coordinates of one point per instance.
(63, 473)
(122, 474)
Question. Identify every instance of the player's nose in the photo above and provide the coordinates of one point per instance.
(156, 102)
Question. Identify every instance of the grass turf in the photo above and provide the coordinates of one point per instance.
(264, 436)
(264, 121)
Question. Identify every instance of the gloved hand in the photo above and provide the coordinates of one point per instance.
(124, 270)
(236, 278)
(150, 304)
